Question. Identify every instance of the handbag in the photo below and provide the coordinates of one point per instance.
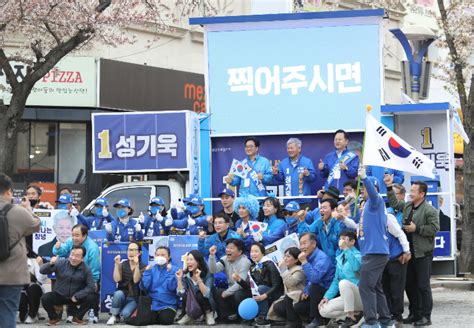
(142, 316)
(193, 309)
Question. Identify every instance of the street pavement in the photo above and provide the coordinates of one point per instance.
(453, 308)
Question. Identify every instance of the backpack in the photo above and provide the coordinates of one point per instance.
(5, 246)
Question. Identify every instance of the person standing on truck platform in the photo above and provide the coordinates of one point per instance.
(189, 221)
(154, 223)
(125, 228)
(100, 218)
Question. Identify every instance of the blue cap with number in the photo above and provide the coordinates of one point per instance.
(64, 199)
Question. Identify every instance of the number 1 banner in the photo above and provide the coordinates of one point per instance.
(151, 141)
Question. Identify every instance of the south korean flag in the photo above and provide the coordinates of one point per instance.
(384, 148)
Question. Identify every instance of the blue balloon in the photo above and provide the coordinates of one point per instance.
(248, 309)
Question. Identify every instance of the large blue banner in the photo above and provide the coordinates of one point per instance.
(180, 246)
(312, 78)
(131, 142)
(273, 147)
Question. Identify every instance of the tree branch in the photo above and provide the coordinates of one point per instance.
(56, 54)
(103, 4)
(50, 30)
(450, 41)
(5, 66)
(35, 46)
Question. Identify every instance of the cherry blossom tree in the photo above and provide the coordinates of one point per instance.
(45, 31)
(457, 23)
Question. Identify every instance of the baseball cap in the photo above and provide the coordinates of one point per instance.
(196, 200)
(333, 192)
(123, 202)
(157, 200)
(292, 206)
(64, 199)
(227, 191)
(101, 201)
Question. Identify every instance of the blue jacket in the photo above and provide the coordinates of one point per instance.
(372, 234)
(248, 241)
(292, 224)
(394, 246)
(124, 233)
(327, 241)
(261, 164)
(215, 239)
(319, 270)
(379, 172)
(94, 222)
(295, 183)
(331, 159)
(92, 259)
(161, 285)
(347, 268)
(153, 227)
(180, 224)
(275, 231)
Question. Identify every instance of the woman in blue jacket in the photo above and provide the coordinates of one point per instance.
(160, 283)
(276, 228)
(345, 283)
(124, 229)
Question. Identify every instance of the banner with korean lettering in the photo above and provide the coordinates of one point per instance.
(180, 246)
(306, 75)
(56, 225)
(71, 82)
(138, 142)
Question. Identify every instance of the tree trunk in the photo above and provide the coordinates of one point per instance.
(9, 127)
(467, 248)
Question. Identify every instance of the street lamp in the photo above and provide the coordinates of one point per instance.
(415, 40)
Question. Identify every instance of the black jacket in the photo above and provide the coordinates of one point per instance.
(70, 281)
(266, 274)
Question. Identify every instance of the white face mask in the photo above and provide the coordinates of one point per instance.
(160, 260)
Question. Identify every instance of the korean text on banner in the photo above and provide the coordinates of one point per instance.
(134, 142)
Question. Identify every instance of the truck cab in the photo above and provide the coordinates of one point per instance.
(139, 193)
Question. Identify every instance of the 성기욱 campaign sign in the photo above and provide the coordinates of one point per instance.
(151, 141)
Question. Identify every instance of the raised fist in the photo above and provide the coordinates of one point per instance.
(321, 165)
(141, 218)
(158, 217)
(213, 250)
(138, 227)
(191, 222)
(117, 259)
(202, 234)
(108, 227)
(168, 222)
(57, 245)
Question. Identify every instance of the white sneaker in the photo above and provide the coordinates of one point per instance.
(69, 319)
(30, 319)
(185, 320)
(111, 320)
(210, 318)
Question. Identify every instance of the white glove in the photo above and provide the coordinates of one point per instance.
(138, 227)
(168, 222)
(257, 237)
(191, 222)
(141, 218)
(108, 227)
(74, 212)
(158, 217)
(178, 206)
(362, 172)
(105, 212)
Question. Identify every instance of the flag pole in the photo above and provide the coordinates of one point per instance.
(361, 159)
